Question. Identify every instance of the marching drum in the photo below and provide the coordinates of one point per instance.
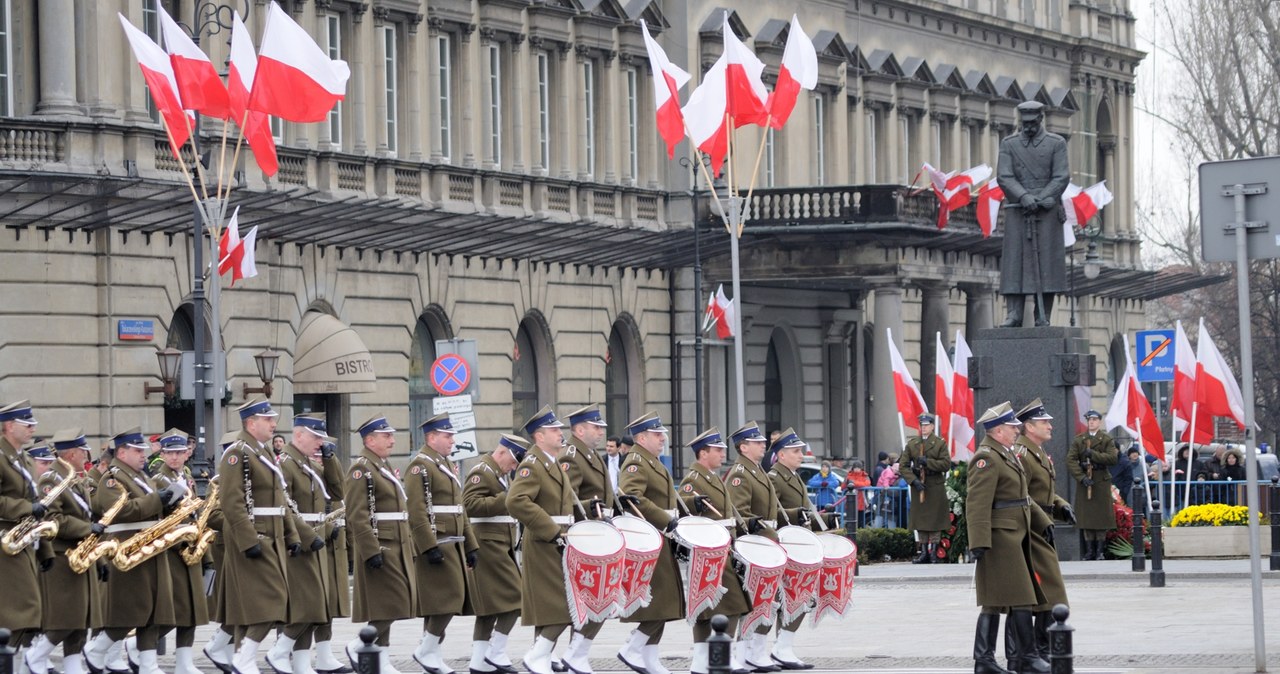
(593, 566)
(708, 544)
(762, 563)
(643, 544)
(835, 581)
(800, 579)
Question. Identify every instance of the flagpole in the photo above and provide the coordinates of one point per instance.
(755, 170)
(204, 182)
(1191, 451)
(235, 157)
(215, 308)
(1146, 481)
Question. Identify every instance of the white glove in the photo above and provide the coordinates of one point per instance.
(176, 491)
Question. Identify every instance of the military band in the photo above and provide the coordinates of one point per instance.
(797, 509)
(190, 609)
(756, 501)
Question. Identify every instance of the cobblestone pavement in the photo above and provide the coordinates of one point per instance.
(909, 618)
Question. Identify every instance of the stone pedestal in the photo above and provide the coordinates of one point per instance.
(1021, 364)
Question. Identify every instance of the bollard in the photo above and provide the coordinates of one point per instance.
(719, 646)
(367, 654)
(1061, 659)
(1139, 513)
(6, 653)
(1157, 547)
(1275, 523)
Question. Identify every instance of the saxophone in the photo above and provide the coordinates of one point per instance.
(159, 537)
(204, 535)
(89, 550)
(30, 529)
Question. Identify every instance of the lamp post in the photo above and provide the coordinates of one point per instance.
(266, 362)
(697, 291)
(1092, 265)
(170, 359)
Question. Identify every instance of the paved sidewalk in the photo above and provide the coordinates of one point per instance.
(919, 618)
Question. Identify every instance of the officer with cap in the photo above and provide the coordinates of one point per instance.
(335, 563)
(1037, 429)
(497, 600)
(385, 587)
(221, 646)
(646, 487)
(443, 538)
(704, 494)
(37, 653)
(541, 500)
(924, 464)
(794, 503)
(1033, 172)
(309, 583)
(140, 598)
(260, 531)
(1089, 460)
(756, 502)
(589, 476)
(190, 608)
(21, 610)
(1000, 519)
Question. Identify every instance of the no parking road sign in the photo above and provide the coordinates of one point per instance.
(1155, 355)
(450, 375)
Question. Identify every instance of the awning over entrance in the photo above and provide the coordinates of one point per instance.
(331, 358)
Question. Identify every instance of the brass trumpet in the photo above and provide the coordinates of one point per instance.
(204, 535)
(158, 537)
(29, 529)
(90, 549)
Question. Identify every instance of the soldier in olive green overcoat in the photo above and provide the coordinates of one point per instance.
(1089, 460)
(190, 609)
(20, 611)
(756, 501)
(793, 499)
(924, 465)
(541, 500)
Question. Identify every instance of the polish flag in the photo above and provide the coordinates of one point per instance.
(937, 178)
(1083, 396)
(157, 71)
(1081, 205)
(199, 85)
(1182, 402)
(667, 81)
(910, 402)
(799, 70)
(237, 255)
(256, 126)
(295, 79)
(944, 379)
(721, 312)
(958, 191)
(1131, 411)
(747, 97)
(705, 116)
(229, 241)
(989, 198)
(962, 434)
(1216, 388)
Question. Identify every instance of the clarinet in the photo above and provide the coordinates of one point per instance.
(373, 505)
(426, 493)
(248, 485)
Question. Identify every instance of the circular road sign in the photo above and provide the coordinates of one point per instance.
(450, 375)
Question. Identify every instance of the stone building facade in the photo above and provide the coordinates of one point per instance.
(494, 174)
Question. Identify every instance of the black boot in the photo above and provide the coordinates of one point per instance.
(1015, 304)
(923, 557)
(984, 645)
(1042, 621)
(1048, 311)
(1024, 659)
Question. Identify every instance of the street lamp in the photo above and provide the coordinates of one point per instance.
(169, 360)
(266, 362)
(1092, 262)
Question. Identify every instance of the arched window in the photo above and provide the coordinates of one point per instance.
(623, 381)
(782, 386)
(531, 370)
(431, 326)
(772, 391)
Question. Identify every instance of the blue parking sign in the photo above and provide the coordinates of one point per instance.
(1155, 355)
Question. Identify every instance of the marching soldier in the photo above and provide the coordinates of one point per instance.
(443, 537)
(334, 564)
(1000, 519)
(793, 499)
(309, 583)
(756, 501)
(221, 646)
(497, 600)
(21, 610)
(541, 500)
(140, 598)
(1089, 460)
(704, 493)
(36, 656)
(924, 465)
(589, 476)
(260, 531)
(646, 485)
(190, 609)
(378, 522)
(1037, 429)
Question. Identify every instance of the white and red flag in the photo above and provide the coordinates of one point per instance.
(1216, 390)
(1131, 410)
(958, 191)
(721, 312)
(199, 86)
(748, 99)
(256, 126)
(704, 113)
(943, 379)
(667, 81)
(1182, 405)
(1082, 396)
(910, 402)
(962, 434)
(989, 198)
(157, 71)
(1081, 205)
(799, 70)
(237, 255)
(296, 80)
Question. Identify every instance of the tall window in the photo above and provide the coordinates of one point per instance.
(495, 104)
(421, 356)
(6, 62)
(446, 118)
(633, 135)
(769, 156)
(935, 128)
(820, 131)
(333, 45)
(150, 26)
(544, 112)
(524, 378)
(589, 113)
(772, 391)
(966, 145)
(871, 152)
(617, 383)
(389, 59)
(277, 130)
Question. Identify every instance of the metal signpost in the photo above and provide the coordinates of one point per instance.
(1231, 191)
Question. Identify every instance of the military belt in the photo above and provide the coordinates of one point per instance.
(1015, 503)
(726, 523)
(772, 524)
(497, 519)
(672, 513)
(562, 520)
(391, 517)
(446, 510)
(450, 539)
(129, 526)
(607, 512)
(312, 517)
(277, 511)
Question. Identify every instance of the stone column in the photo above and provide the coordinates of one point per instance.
(359, 52)
(324, 136)
(487, 151)
(933, 320)
(435, 148)
(465, 67)
(580, 103)
(979, 309)
(57, 26)
(383, 141)
(413, 87)
(884, 407)
(518, 109)
(606, 119)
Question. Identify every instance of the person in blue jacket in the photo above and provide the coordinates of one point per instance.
(824, 483)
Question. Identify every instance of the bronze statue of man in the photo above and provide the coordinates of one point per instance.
(1033, 173)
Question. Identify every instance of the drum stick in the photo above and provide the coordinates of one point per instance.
(733, 511)
(708, 504)
(782, 511)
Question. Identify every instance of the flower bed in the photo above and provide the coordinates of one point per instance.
(1212, 530)
(955, 539)
(1214, 515)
